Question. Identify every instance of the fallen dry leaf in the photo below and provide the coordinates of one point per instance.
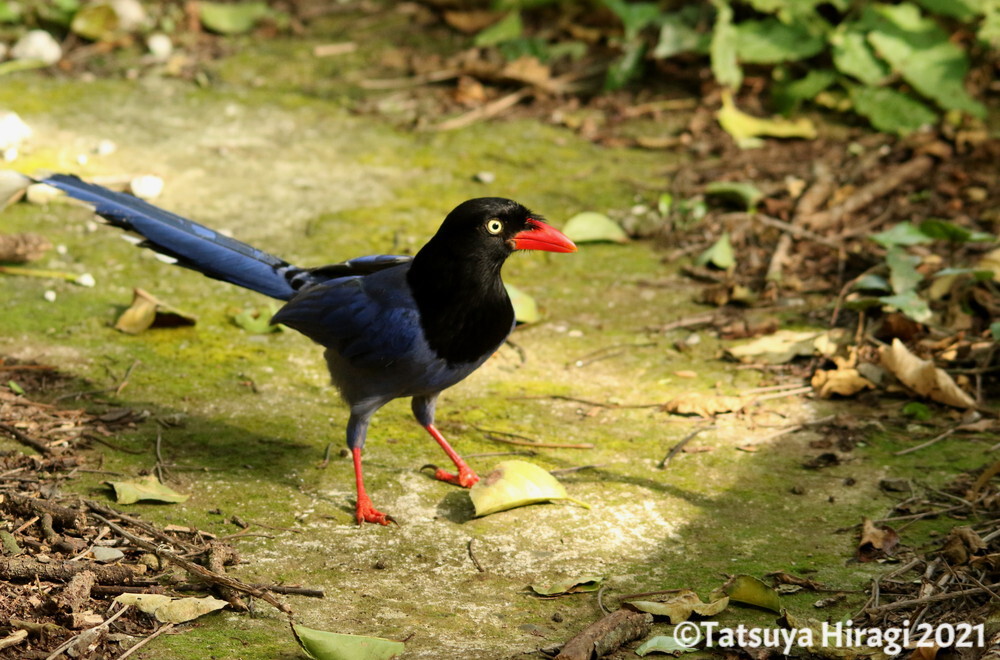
(148, 311)
(876, 542)
(680, 606)
(841, 381)
(923, 377)
(705, 405)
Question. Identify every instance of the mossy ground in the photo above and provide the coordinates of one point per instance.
(282, 165)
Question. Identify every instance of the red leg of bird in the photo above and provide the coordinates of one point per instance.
(365, 511)
(466, 477)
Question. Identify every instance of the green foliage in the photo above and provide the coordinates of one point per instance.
(898, 65)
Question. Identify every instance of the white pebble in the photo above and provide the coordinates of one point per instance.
(42, 193)
(50, 295)
(146, 186)
(13, 130)
(160, 46)
(37, 45)
(86, 280)
(105, 148)
(130, 13)
(485, 177)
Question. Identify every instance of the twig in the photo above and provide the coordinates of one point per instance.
(197, 570)
(144, 526)
(923, 445)
(159, 631)
(524, 441)
(680, 445)
(587, 402)
(491, 109)
(72, 640)
(936, 598)
(24, 439)
(569, 470)
(472, 556)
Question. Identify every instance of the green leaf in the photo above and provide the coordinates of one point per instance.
(748, 589)
(257, 321)
(147, 488)
(903, 274)
(237, 18)
(634, 15)
(11, 12)
(918, 411)
(719, 255)
(989, 29)
(921, 51)
(525, 307)
(663, 644)
(97, 21)
(508, 28)
(963, 10)
(322, 645)
(568, 586)
(680, 605)
(664, 203)
(787, 95)
(769, 41)
(739, 193)
(15, 388)
(891, 111)
(722, 49)
(593, 227)
(995, 330)
(903, 233)
(679, 35)
(853, 56)
(872, 283)
(627, 67)
(910, 304)
(948, 231)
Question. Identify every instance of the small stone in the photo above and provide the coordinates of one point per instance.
(42, 193)
(37, 45)
(160, 46)
(13, 130)
(105, 147)
(49, 295)
(146, 186)
(106, 555)
(131, 14)
(485, 177)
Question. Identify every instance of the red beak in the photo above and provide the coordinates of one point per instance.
(540, 236)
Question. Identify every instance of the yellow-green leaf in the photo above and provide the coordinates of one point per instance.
(525, 307)
(681, 605)
(145, 488)
(593, 227)
(322, 645)
(515, 483)
(746, 128)
(568, 586)
(172, 610)
(748, 589)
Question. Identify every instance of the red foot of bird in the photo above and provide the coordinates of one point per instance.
(366, 512)
(465, 478)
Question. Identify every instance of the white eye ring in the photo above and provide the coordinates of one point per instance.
(494, 226)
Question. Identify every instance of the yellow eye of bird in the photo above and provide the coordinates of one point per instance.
(494, 226)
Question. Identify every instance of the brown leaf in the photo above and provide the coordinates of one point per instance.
(705, 405)
(962, 543)
(148, 311)
(781, 577)
(876, 542)
(527, 69)
(471, 22)
(923, 377)
(841, 381)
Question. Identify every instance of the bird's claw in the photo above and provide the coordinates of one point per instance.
(366, 512)
(465, 478)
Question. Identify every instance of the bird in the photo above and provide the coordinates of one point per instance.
(392, 326)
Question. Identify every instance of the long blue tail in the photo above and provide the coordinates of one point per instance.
(192, 245)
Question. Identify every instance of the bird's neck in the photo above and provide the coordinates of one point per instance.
(464, 308)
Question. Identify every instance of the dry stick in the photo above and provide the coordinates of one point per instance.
(524, 441)
(606, 635)
(879, 187)
(472, 556)
(680, 445)
(486, 111)
(37, 445)
(923, 445)
(72, 640)
(159, 631)
(936, 598)
(144, 526)
(13, 639)
(117, 389)
(197, 570)
(588, 402)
